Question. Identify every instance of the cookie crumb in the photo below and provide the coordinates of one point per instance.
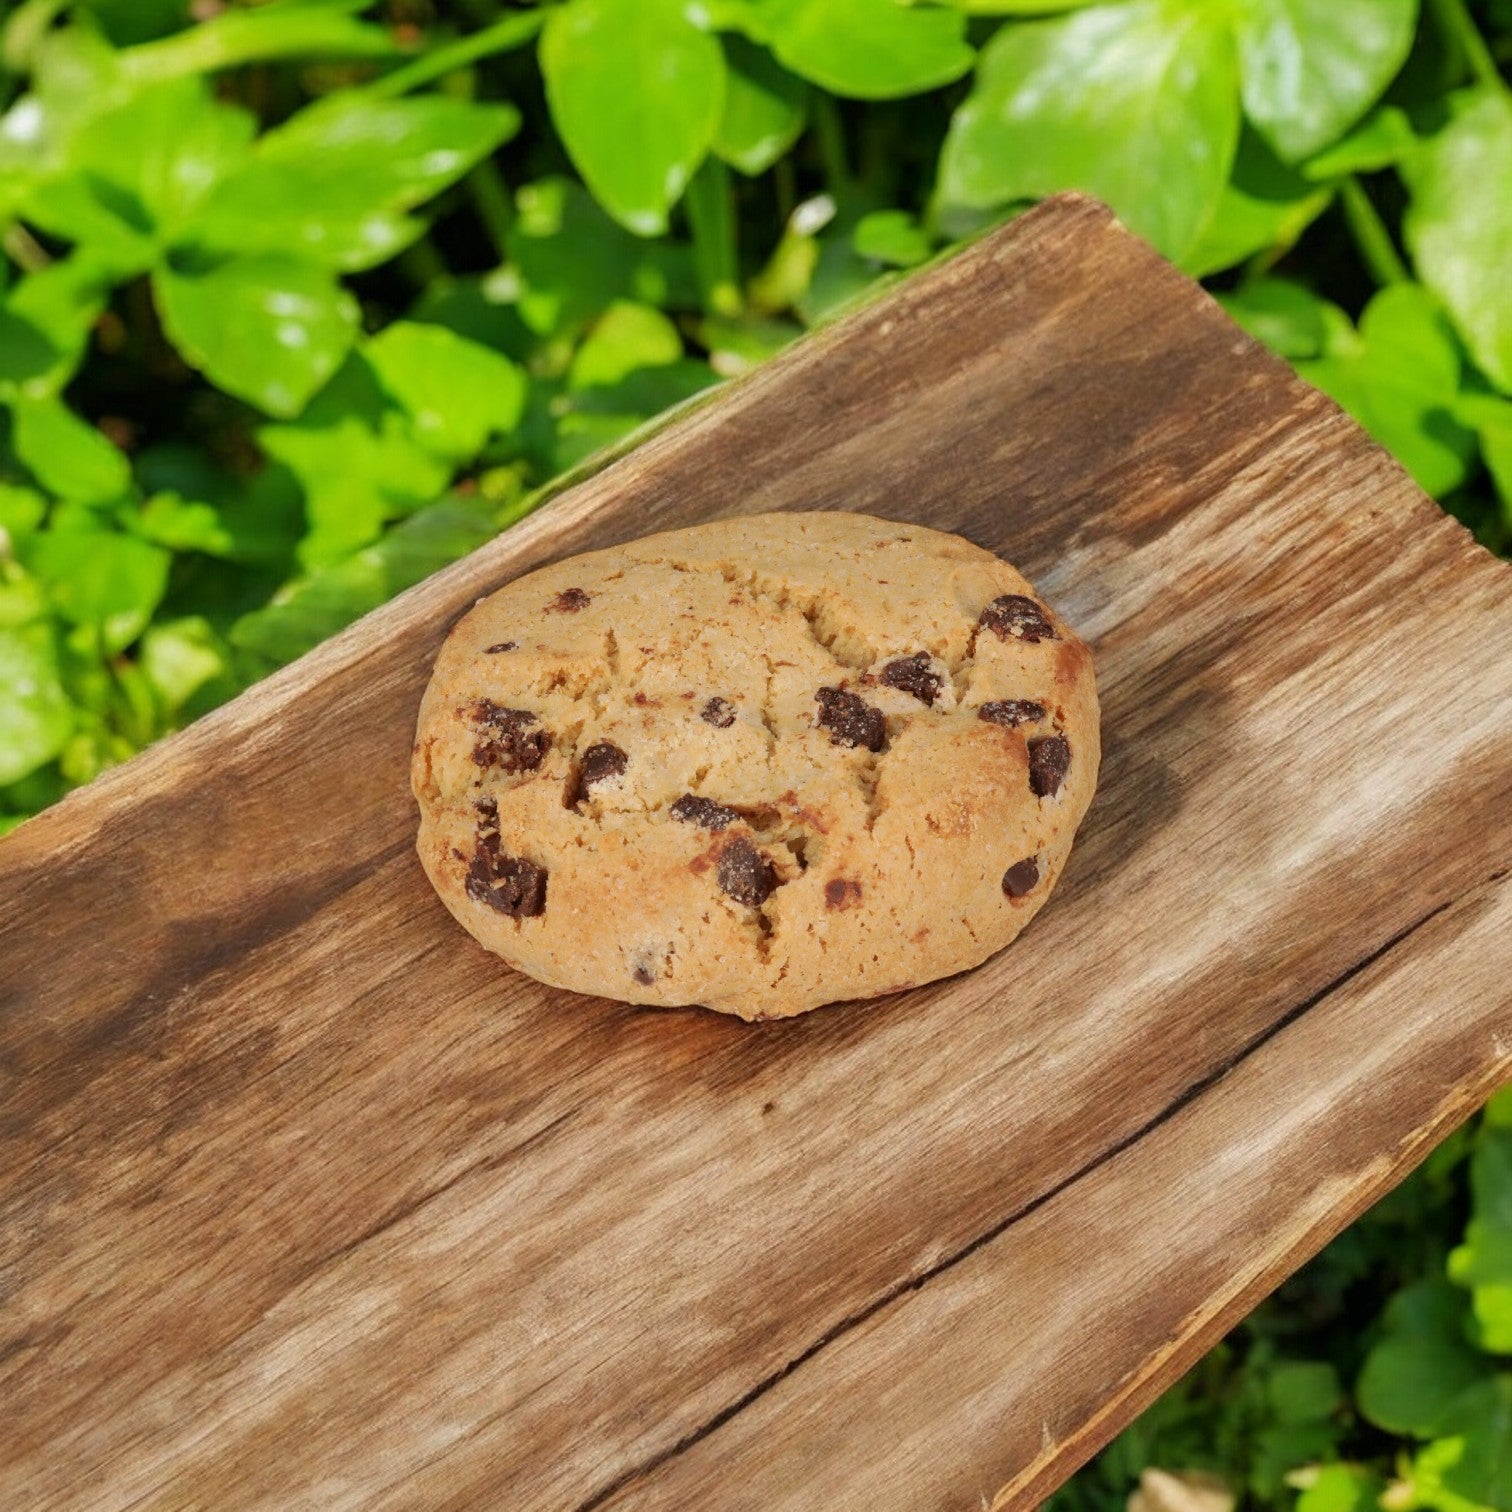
(1013, 616)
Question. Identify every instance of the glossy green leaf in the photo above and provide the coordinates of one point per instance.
(36, 717)
(457, 393)
(103, 581)
(1290, 319)
(627, 337)
(21, 511)
(358, 462)
(1311, 70)
(136, 174)
(1264, 208)
(1421, 1365)
(636, 90)
(270, 330)
(1483, 1263)
(1459, 225)
(892, 237)
(868, 49)
(1383, 139)
(247, 36)
(67, 455)
(1135, 103)
(1473, 1458)
(313, 608)
(184, 525)
(332, 184)
(179, 657)
(572, 261)
(1400, 383)
(26, 354)
(765, 108)
(61, 302)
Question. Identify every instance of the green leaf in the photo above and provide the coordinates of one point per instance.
(103, 581)
(314, 608)
(456, 392)
(1421, 1365)
(62, 302)
(1459, 225)
(636, 91)
(356, 457)
(1303, 1391)
(627, 337)
(135, 174)
(268, 329)
(1016, 7)
(1491, 418)
(765, 108)
(1341, 1488)
(21, 511)
(67, 455)
(1289, 319)
(248, 36)
(573, 261)
(26, 355)
(1310, 71)
(1134, 103)
(892, 237)
(179, 657)
(36, 718)
(1265, 207)
(1400, 383)
(868, 49)
(332, 183)
(1483, 1263)
(1382, 140)
(1474, 1459)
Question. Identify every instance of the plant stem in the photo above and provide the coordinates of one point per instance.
(1370, 234)
(422, 264)
(23, 249)
(1459, 26)
(506, 33)
(716, 259)
(831, 132)
(490, 197)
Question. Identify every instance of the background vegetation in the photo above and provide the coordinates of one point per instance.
(302, 299)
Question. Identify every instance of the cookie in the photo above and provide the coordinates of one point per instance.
(758, 765)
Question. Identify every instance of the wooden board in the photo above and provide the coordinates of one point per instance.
(306, 1202)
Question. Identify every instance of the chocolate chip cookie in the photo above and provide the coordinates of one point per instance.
(757, 765)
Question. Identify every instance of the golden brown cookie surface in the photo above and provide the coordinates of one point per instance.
(761, 764)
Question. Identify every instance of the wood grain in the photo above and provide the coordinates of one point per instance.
(304, 1201)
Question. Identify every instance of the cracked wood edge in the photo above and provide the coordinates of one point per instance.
(924, 1403)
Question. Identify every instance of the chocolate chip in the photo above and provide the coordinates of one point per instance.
(569, 601)
(719, 712)
(746, 874)
(841, 892)
(508, 884)
(507, 738)
(851, 721)
(600, 763)
(644, 977)
(502, 646)
(916, 675)
(1021, 877)
(704, 812)
(1049, 758)
(1012, 614)
(1011, 712)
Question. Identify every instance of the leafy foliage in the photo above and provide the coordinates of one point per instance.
(302, 299)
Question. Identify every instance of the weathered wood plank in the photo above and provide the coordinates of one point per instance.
(303, 1197)
(1172, 1240)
